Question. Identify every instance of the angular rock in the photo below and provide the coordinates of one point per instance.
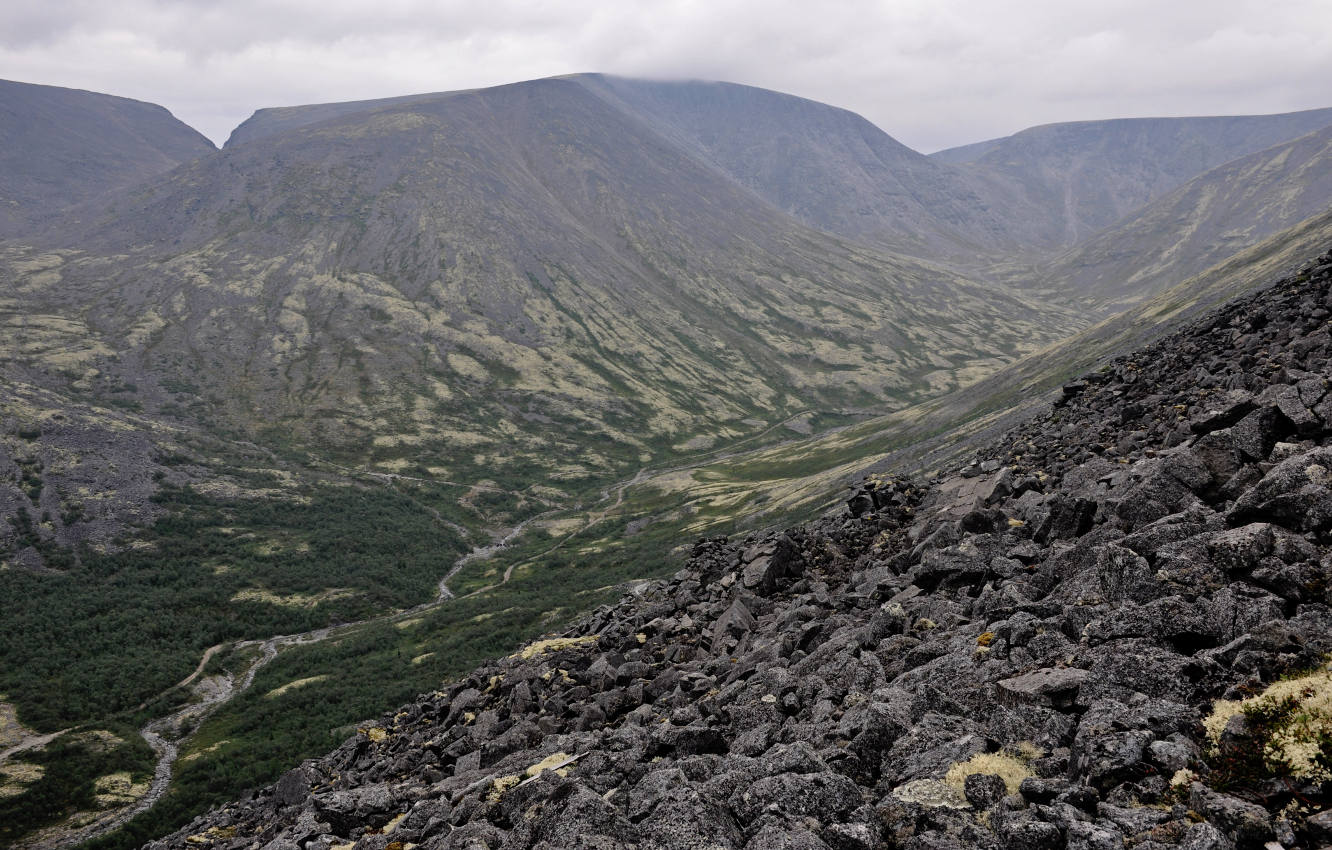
(1296, 493)
(1056, 687)
(983, 790)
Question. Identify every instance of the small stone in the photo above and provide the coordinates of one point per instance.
(983, 790)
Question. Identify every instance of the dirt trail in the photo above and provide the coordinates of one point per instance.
(31, 743)
(162, 734)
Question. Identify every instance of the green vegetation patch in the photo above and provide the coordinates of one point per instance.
(116, 629)
(81, 771)
(369, 669)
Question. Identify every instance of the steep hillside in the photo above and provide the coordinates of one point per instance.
(984, 206)
(274, 412)
(1210, 218)
(303, 427)
(61, 146)
(1113, 628)
(522, 284)
(1086, 175)
(828, 167)
(798, 478)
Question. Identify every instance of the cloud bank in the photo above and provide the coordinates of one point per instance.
(933, 74)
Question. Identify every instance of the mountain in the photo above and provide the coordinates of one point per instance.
(1085, 175)
(438, 282)
(827, 167)
(301, 428)
(283, 405)
(1208, 219)
(61, 146)
(279, 119)
(776, 485)
(1018, 198)
(1112, 626)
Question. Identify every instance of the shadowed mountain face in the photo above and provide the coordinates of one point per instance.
(1208, 219)
(827, 167)
(1086, 175)
(1015, 199)
(61, 146)
(495, 278)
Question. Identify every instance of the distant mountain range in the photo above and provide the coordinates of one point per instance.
(530, 266)
(558, 280)
(1085, 175)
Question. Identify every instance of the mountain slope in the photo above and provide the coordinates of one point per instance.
(986, 205)
(273, 120)
(1118, 633)
(826, 166)
(61, 146)
(441, 277)
(1086, 175)
(802, 478)
(1212, 217)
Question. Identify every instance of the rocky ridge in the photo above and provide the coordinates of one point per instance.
(1029, 653)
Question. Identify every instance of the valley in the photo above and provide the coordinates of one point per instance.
(296, 430)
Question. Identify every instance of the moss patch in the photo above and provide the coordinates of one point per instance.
(1288, 733)
(541, 647)
(1011, 768)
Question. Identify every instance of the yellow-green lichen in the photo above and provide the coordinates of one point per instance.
(1291, 721)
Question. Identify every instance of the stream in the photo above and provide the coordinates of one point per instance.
(163, 734)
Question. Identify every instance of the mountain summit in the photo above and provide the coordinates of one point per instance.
(60, 146)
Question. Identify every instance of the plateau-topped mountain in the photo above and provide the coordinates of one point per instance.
(483, 281)
(1086, 175)
(61, 146)
(827, 167)
(1016, 198)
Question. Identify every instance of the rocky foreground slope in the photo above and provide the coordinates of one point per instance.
(1110, 630)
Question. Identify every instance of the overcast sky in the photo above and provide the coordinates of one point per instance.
(933, 73)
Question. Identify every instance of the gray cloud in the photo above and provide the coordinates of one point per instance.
(933, 74)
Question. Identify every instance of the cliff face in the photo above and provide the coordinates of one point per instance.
(1073, 641)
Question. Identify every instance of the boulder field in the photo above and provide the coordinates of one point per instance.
(1110, 629)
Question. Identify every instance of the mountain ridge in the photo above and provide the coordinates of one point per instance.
(501, 200)
(1205, 220)
(1068, 166)
(59, 147)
